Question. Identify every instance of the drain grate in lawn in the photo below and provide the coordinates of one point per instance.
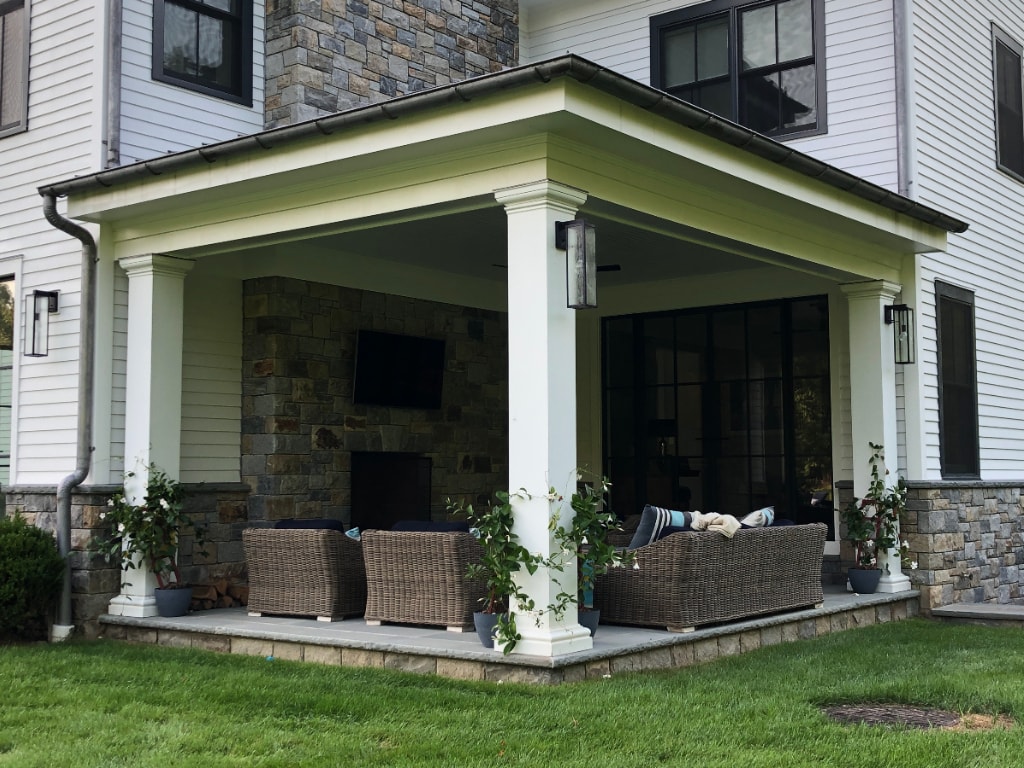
(913, 717)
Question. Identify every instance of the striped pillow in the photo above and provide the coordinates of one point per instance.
(653, 520)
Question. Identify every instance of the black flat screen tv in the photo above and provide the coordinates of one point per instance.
(396, 370)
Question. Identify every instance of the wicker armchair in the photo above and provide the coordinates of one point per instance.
(694, 578)
(416, 577)
(304, 572)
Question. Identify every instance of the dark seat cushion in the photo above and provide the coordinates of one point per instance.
(431, 526)
(320, 523)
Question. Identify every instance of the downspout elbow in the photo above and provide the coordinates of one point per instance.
(86, 358)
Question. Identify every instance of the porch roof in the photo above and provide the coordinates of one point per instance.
(568, 66)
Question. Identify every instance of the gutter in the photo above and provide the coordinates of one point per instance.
(64, 625)
(572, 66)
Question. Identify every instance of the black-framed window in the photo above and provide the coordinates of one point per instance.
(723, 409)
(958, 382)
(14, 15)
(760, 64)
(205, 46)
(1007, 59)
(7, 293)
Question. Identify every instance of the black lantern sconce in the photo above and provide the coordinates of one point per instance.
(577, 238)
(44, 304)
(901, 318)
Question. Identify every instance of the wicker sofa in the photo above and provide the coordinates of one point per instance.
(304, 572)
(419, 577)
(689, 579)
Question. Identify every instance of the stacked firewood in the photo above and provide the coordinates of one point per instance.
(219, 594)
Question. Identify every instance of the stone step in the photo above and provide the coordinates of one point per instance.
(992, 614)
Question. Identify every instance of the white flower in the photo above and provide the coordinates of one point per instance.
(636, 566)
(164, 504)
(110, 502)
(120, 527)
(913, 566)
(103, 515)
(905, 544)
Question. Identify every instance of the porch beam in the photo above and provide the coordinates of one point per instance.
(873, 397)
(156, 292)
(541, 402)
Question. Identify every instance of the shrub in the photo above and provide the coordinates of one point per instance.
(31, 577)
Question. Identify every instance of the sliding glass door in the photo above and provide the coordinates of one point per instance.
(722, 409)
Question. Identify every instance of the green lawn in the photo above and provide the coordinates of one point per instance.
(106, 704)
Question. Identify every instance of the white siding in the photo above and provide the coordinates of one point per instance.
(62, 140)
(157, 118)
(956, 171)
(860, 68)
(211, 408)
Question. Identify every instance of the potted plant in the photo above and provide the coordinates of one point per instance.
(872, 524)
(147, 533)
(586, 541)
(502, 557)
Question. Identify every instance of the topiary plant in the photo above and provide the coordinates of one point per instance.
(31, 577)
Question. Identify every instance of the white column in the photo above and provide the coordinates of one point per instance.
(873, 397)
(542, 400)
(156, 291)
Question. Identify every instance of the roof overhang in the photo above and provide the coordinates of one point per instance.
(633, 149)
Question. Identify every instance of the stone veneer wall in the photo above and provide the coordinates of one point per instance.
(324, 56)
(967, 539)
(222, 508)
(300, 426)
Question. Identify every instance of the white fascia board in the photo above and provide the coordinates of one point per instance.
(375, 144)
(721, 163)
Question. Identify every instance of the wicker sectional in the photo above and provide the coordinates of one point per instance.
(304, 572)
(420, 578)
(690, 579)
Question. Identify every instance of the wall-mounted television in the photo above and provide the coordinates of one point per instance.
(397, 370)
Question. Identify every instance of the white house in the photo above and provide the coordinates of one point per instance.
(765, 179)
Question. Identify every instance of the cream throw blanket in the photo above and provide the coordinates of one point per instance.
(726, 525)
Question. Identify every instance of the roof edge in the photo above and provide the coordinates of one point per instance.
(569, 65)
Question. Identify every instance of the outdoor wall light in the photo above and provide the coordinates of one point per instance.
(901, 318)
(577, 238)
(43, 304)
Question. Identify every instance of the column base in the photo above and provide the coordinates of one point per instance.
(138, 606)
(557, 642)
(898, 583)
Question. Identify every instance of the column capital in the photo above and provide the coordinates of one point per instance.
(156, 264)
(544, 192)
(871, 289)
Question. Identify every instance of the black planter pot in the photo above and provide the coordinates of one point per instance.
(864, 581)
(173, 602)
(590, 619)
(485, 624)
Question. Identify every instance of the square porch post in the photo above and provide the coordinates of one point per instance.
(873, 398)
(542, 401)
(156, 291)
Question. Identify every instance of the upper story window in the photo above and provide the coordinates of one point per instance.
(760, 64)
(958, 382)
(1007, 55)
(205, 46)
(13, 66)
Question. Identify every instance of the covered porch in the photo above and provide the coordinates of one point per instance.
(235, 278)
(431, 651)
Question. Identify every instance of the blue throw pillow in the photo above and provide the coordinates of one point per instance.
(653, 520)
(668, 530)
